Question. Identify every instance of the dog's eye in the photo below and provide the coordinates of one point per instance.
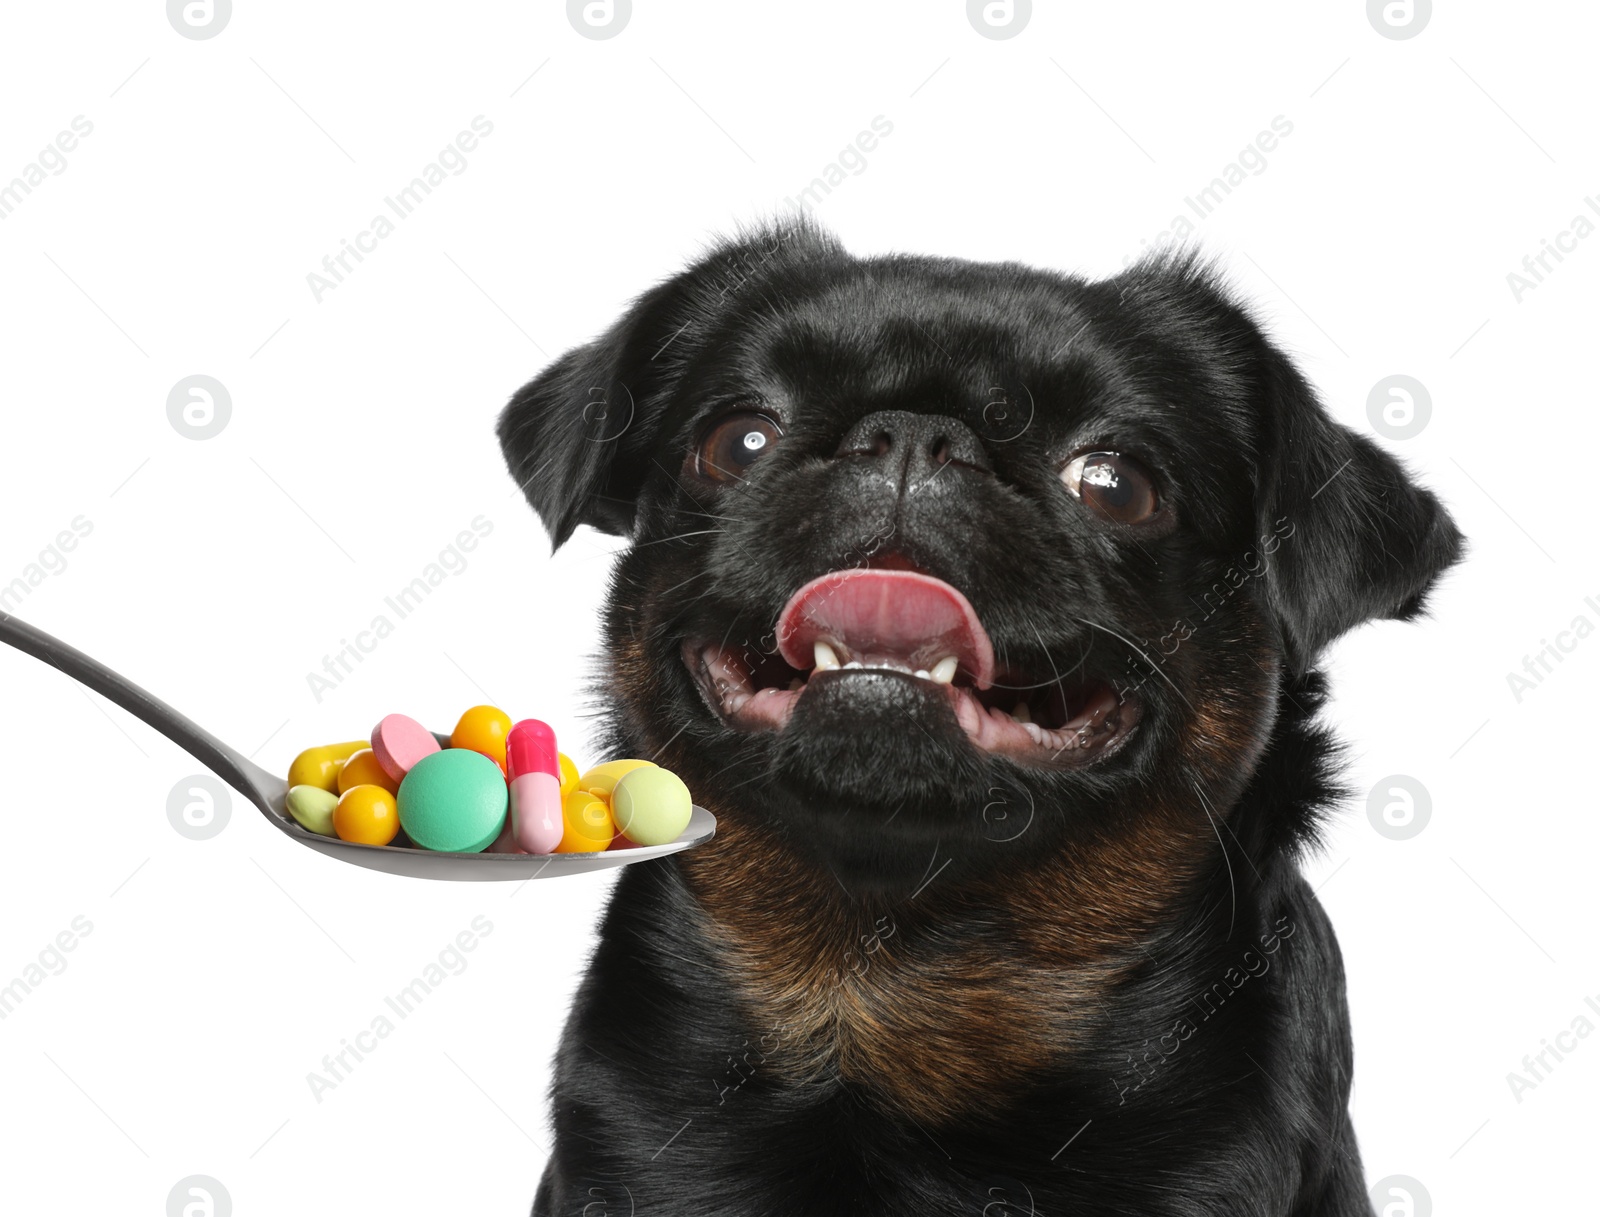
(732, 444)
(1113, 486)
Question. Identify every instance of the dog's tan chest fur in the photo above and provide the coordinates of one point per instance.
(933, 1011)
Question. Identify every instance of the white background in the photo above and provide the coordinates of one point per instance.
(220, 172)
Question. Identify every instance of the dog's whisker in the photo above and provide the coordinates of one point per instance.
(697, 575)
(742, 550)
(682, 536)
(1233, 890)
(1224, 819)
(1154, 667)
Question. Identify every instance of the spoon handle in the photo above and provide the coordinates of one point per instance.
(244, 775)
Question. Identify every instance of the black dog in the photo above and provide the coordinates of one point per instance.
(980, 604)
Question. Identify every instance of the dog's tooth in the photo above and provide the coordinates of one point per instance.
(826, 660)
(922, 673)
(945, 670)
(1035, 732)
(796, 685)
(854, 663)
(1021, 713)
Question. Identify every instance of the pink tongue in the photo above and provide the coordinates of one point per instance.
(886, 613)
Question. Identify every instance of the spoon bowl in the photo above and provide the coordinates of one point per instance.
(268, 791)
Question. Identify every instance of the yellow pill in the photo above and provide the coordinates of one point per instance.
(586, 824)
(320, 766)
(569, 774)
(362, 769)
(366, 815)
(603, 779)
(652, 806)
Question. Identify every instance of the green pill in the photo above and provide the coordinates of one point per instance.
(651, 806)
(454, 801)
(312, 807)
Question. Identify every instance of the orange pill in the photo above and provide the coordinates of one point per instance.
(586, 826)
(362, 769)
(483, 729)
(366, 815)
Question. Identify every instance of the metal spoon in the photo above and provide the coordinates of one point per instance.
(267, 790)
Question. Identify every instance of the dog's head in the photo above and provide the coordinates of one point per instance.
(924, 548)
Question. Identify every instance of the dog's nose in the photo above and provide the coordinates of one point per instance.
(920, 444)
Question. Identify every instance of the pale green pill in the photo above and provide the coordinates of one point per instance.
(454, 800)
(312, 807)
(651, 806)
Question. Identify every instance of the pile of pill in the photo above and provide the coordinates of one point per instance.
(499, 786)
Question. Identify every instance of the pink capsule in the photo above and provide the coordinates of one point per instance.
(534, 769)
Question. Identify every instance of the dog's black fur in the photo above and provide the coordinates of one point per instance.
(909, 977)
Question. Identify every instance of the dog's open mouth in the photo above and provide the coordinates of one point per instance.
(920, 628)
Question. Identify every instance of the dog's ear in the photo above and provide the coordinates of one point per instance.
(563, 432)
(1352, 537)
(579, 438)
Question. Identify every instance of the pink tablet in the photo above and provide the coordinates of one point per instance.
(400, 742)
